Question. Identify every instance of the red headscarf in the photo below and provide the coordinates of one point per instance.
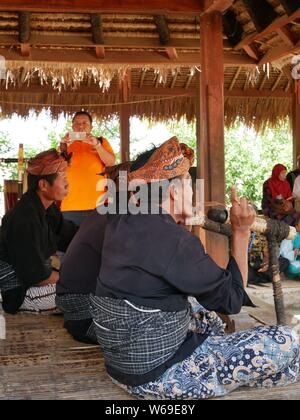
(277, 186)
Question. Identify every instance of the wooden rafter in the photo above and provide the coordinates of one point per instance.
(84, 41)
(143, 75)
(276, 84)
(24, 33)
(261, 12)
(161, 23)
(211, 6)
(286, 35)
(97, 34)
(279, 52)
(251, 51)
(122, 57)
(174, 80)
(104, 6)
(277, 24)
(189, 80)
(290, 6)
(265, 78)
(236, 76)
(163, 29)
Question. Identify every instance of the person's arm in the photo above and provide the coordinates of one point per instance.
(53, 279)
(242, 217)
(107, 156)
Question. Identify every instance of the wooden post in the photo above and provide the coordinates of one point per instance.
(125, 132)
(211, 124)
(296, 122)
(124, 112)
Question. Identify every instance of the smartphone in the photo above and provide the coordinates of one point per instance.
(77, 136)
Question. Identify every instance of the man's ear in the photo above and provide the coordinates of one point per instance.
(43, 185)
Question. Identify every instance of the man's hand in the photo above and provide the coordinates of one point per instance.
(92, 140)
(65, 142)
(242, 214)
(53, 279)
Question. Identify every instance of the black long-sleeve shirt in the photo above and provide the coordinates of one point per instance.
(30, 235)
(153, 262)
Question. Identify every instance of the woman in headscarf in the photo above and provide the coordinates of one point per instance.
(277, 197)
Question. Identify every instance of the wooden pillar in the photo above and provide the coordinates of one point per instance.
(211, 124)
(296, 122)
(125, 114)
(125, 132)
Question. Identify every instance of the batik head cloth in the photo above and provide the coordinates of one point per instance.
(47, 163)
(172, 159)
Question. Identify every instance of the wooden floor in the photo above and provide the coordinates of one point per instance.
(38, 360)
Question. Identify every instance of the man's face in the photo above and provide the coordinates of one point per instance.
(183, 196)
(82, 123)
(58, 191)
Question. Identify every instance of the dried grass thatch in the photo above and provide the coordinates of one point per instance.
(257, 113)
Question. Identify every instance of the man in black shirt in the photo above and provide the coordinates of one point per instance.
(31, 233)
(156, 341)
(78, 278)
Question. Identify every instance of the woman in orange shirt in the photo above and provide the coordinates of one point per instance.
(89, 159)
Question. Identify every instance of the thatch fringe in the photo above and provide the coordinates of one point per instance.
(257, 113)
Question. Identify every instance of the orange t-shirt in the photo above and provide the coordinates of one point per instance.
(83, 177)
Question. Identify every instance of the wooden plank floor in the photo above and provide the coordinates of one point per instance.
(39, 360)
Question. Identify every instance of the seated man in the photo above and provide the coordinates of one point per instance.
(78, 278)
(81, 267)
(155, 343)
(31, 233)
(290, 250)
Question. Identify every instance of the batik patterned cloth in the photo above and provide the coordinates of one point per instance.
(172, 159)
(264, 357)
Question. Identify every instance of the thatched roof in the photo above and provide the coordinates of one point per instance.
(63, 73)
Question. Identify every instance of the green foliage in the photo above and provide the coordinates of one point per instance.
(249, 158)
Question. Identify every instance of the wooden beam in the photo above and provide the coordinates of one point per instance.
(290, 6)
(172, 53)
(97, 35)
(79, 40)
(104, 6)
(211, 6)
(251, 51)
(261, 12)
(277, 24)
(24, 33)
(24, 27)
(123, 57)
(286, 35)
(211, 121)
(97, 28)
(277, 53)
(124, 113)
(163, 29)
(146, 91)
